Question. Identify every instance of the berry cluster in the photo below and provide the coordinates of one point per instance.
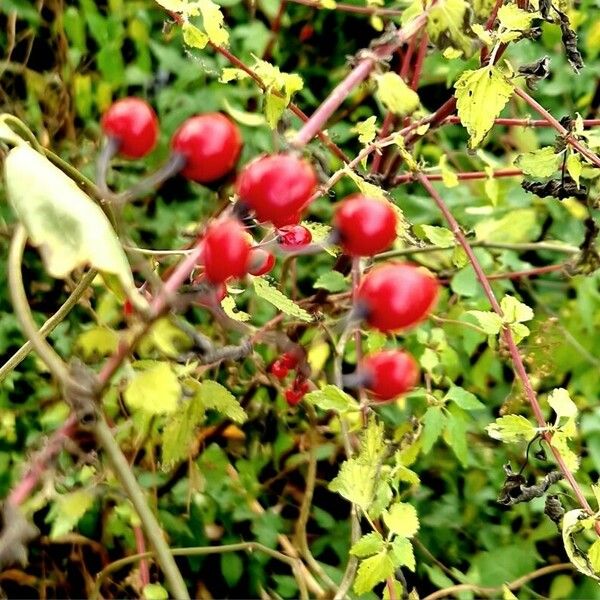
(276, 190)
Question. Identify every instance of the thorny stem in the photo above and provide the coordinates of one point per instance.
(464, 176)
(356, 76)
(364, 10)
(516, 357)
(416, 78)
(510, 122)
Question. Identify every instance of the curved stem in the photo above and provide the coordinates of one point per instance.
(203, 551)
(109, 149)
(155, 535)
(49, 326)
(22, 311)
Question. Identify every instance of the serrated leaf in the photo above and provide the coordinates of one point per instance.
(372, 571)
(280, 301)
(574, 522)
(69, 229)
(67, 510)
(97, 342)
(155, 391)
(355, 482)
(461, 397)
(216, 397)
(165, 337)
(561, 403)
(449, 177)
(518, 225)
(511, 428)
(480, 97)
(395, 95)
(373, 444)
(231, 310)
(539, 163)
(434, 422)
(369, 544)
(446, 21)
(489, 321)
(213, 21)
(483, 34)
(320, 234)
(402, 519)
(560, 441)
(514, 18)
(403, 554)
(194, 37)
(368, 189)
(574, 167)
(332, 281)
(332, 398)
(366, 130)
(515, 311)
(456, 438)
(438, 236)
(232, 74)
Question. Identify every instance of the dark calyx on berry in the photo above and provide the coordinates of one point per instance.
(293, 237)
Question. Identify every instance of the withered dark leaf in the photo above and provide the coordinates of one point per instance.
(536, 71)
(556, 188)
(569, 40)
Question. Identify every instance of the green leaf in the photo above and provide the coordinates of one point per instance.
(456, 432)
(232, 568)
(489, 321)
(155, 591)
(481, 95)
(438, 236)
(403, 554)
(355, 482)
(216, 397)
(193, 36)
(511, 428)
(560, 441)
(539, 163)
(372, 571)
(69, 229)
(514, 18)
(518, 225)
(213, 21)
(573, 523)
(155, 391)
(434, 422)
(67, 510)
(332, 281)
(369, 544)
(466, 400)
(561, 403)
(332, 398)
(395, 95)
(280, 301)
(366, 130)
(97, 342)
(515, 311)
(446, 23)
(402, 519)
(594, 556)
(231, 310)
(275, 105)
(574, 167)
(449, 177)
(373, 443)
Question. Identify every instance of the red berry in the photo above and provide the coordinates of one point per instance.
(289, 360)
(127, 308)
(134, 124)
(365, 225)
(278, 369)
(226, 251)
(389, 373)
(277, 187)
(397, 296)
(294, 394)
(211, 145)
(292, 237)
(261, 262)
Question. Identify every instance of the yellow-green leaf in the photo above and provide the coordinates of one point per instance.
(449, 177)
(97, 342)
(231, 310)
(279, 300)
(574, 522)
(366, 130)
(155, 391)
(402, 519)
(511, 428)
(66, 512)
(481, 95)
(446, 22)
(216, 397)
(193, 37)
(561, 403)
(539, 163)
(213, 21)
(574, 167)
(372, 571)
(515, 311)
(514, 18)
(395, 95)
(594, 556)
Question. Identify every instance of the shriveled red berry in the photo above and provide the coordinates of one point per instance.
(389, 374)
(277, 187)
(397, 296)
(365, 226)
(294, 394)
(293, 237)
(211, 145)
(289, 360)
(278, 369)
(226, 251)
(261, 262)
(133, 124)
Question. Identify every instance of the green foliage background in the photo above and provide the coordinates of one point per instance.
(60, 70)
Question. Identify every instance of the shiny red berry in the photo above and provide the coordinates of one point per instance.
(396, 296)
(277, 187)
(261, 262)
(226, 251)
(133, 124)
(389, 374)
(278, 369)
(211, 145)
(293, 237)
(365, 226)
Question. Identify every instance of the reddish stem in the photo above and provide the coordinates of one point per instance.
(466, 176)
(140, 546)
(319, 118)
(275, 27)
(488, 25)
(408, 57)
(362, 10)
(516, 357)
(416, 78)
(523, 122)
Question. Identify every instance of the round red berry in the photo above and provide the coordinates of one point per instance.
(389, 373)
(289, 360)
(133, 124)
(278, 369)
(226, 251)
(365, 226)
(294, 394)
(397, 296)
(211, 145)
(293, 237)
(277, 187)
(261, 262)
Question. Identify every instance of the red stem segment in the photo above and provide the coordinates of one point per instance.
(516, 357)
